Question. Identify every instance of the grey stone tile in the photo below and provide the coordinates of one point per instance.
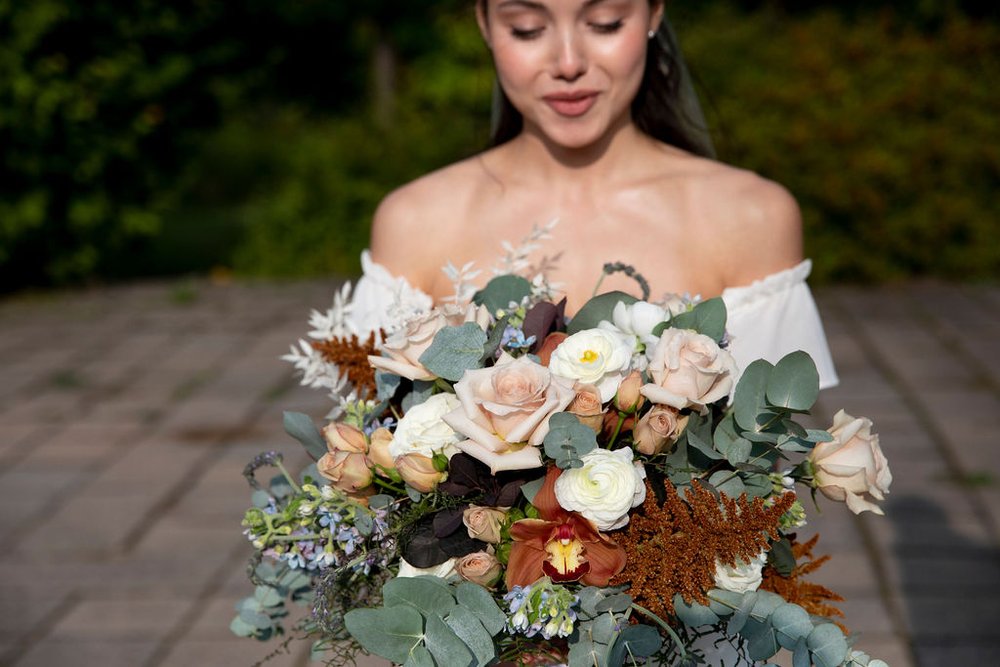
(233, 651)
(87, 653)
(25, 603)
(120, 619)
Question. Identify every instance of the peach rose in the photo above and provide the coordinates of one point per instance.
(401, 351)
(419, 472)
(484, 523)
(505, 411)
(344, 438)
(689, 370)
(347, 471)
(851, 468)
(657, 429)
(480, 567)
(587, 407)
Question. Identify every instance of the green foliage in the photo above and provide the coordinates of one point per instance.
(502, 291)
(454, 351)
(301, 427)
(885, 132)
(597, 309)
(568, 440)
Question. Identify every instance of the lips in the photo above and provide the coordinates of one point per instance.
(571, 104)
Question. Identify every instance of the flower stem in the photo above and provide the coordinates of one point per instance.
(387, 485)
(618, 428)
(288, 477)
(663, 624)
(296, 538)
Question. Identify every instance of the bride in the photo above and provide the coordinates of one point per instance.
(596, 129)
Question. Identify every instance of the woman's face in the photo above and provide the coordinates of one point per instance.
(571, 67)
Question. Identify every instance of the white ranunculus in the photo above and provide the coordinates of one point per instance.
(743, 578)
(445, 570)
(593, 356)
(423, 431)
(604, 489)
(637, 321)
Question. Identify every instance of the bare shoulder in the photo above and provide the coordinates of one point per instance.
(756, 223)
(421, 212)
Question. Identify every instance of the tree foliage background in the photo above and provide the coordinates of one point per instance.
(158, 138)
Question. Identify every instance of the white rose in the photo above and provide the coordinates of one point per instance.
(637, 321)
(593, 356)
(604, 489)
(423, 431)
(445, 570)
(743, 578)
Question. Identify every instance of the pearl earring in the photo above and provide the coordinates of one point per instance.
(651, 34)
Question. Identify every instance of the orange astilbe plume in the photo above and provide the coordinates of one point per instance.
(351, 356)
(812, 597)
(673, 548)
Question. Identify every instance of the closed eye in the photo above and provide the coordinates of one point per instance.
(607, 28)
(526, 33)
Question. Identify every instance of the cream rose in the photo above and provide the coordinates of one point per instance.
(420, 472)
(604, 489)
(851, 468)
(445, 570)
(689, 369)
(659, 427)
(422, 430)
(505, 411)
(401, 351)
(480, 567)
(593, 356)
(484, 523)
(587, 407)
(742, 578)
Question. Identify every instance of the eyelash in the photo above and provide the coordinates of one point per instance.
(599, 28)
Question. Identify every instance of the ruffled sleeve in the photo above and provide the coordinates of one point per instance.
(381, 300)
(775, 316)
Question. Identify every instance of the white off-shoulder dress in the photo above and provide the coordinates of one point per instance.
(767, 319)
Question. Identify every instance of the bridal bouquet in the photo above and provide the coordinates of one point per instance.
(503, 485)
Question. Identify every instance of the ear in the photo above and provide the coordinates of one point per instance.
(484, 23)
(656, 15)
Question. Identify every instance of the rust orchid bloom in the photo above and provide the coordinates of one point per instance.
(561, 545)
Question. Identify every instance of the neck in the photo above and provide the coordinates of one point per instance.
(604, 161)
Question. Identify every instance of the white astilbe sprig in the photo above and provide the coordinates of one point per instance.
(317, 372)
(336, 321)
(462, 281)
(543, 289)
(515, 258)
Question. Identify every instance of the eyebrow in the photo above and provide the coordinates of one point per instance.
(528, 4)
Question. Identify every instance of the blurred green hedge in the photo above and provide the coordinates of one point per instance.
(887, 134)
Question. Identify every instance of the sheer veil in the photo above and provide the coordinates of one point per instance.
(666, 55)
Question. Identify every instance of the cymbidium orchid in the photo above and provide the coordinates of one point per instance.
(561, 545)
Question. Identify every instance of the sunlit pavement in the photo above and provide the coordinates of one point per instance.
(127, 414)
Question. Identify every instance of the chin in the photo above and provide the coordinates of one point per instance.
(575, 135)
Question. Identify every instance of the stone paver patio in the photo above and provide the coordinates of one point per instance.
(127, 414)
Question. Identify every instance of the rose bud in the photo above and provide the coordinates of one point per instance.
(587, 407)
(851, 468)
(484, 523)
(419, 472)
(344, 438)
(549, 345)
(378, 450)
(658, 428)
(347, 471)
(480, 568)
(628, 399)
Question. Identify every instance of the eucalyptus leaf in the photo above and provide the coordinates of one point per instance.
(739, 451)
(707, 317)
(260, 498)
(430, 595)
(302, 428)
(386, 385)
(618, 603)
(603, 629)
(795, 428)
(828, 645)
(740, 616)
(422, 390)
(530, 489)
(791, 623)
(818, 435)
(445, 645)
(494, 339)
(420, 657)
(476, 599)
(364, 523)
(728, 482)
(389, 632)
(764, 645)
(568, 440)
(750, 397)
(757, 485)
(794, 383)
(501, 291)
(696, 440)
(585, 653)
(781, 557)
(693, 614)
(454, 351)
(766, 603)
(241, 628)
(478, 639)
(268, 596)
(635, 641)
(257, 619)
(598, 309)
(800, 655)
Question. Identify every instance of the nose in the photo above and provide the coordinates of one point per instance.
(570, 59)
